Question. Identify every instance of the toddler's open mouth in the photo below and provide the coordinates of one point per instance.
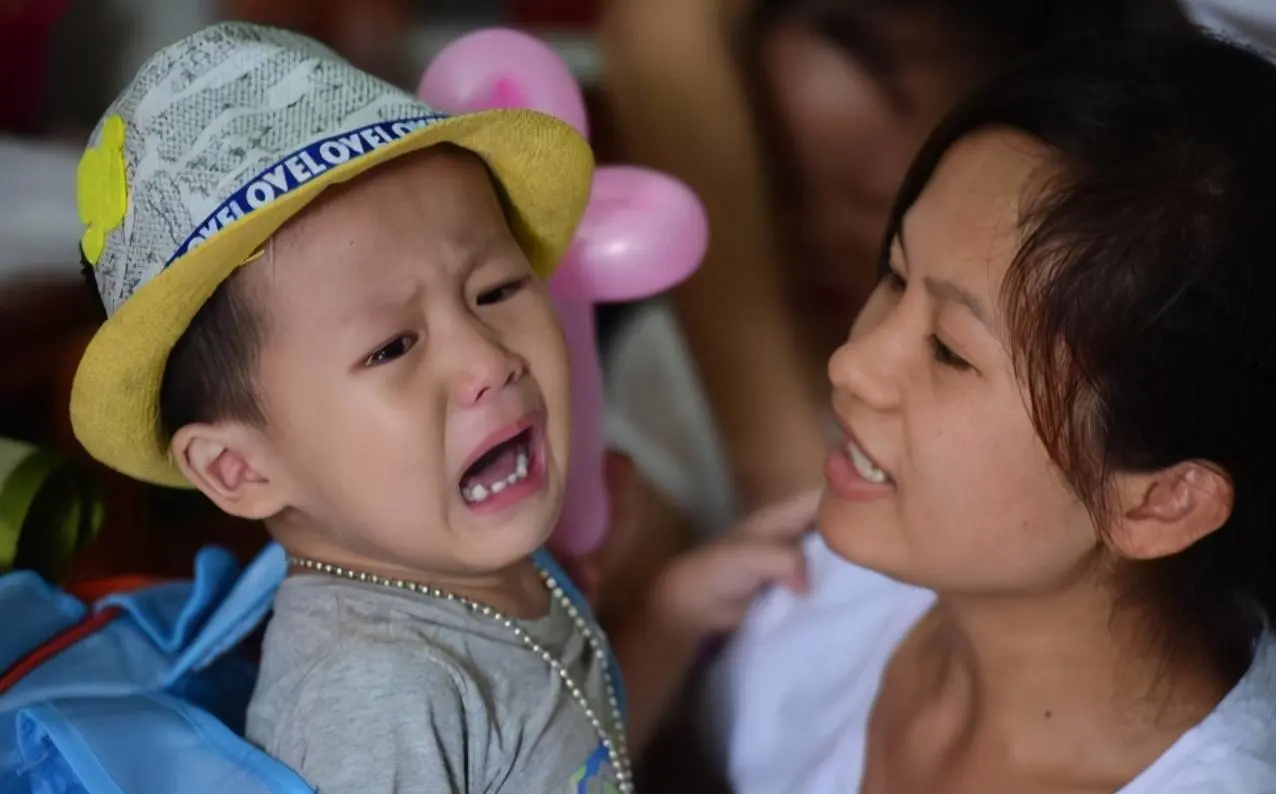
(507, 471)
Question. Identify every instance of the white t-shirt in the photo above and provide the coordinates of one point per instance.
(1247, 22)
(766, 684)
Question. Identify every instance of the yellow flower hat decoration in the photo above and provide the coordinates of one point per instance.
(100, 188)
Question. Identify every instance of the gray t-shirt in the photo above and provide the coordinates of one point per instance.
(366, 689)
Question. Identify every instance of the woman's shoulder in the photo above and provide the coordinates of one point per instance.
(1251, 23)
(1233, 750)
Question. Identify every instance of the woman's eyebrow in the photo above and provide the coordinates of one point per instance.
(943, 290)
(948, 291)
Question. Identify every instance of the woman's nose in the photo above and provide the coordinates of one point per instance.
(868, 365)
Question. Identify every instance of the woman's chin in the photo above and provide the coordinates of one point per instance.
(864, 534)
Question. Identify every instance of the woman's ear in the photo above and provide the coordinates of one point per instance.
(1167, 511)
(228, 462)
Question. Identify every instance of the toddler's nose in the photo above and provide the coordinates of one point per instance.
(485, 369)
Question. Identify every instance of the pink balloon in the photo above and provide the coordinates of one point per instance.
(499, 68)
(586, 512)
(642, 233)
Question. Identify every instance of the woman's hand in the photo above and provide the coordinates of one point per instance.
(704, 592)
(709, 590)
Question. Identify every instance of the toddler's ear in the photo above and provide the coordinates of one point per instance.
(226, 461)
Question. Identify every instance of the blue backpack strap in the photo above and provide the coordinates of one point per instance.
(219, 609)
(34, 611)
(139, 744)
(239, 614)
(120, 711)
(170, 615)
(163, 635)
(547, 562)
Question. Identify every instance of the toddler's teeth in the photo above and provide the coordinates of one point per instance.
(480, 492)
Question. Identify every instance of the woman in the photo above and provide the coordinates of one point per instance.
(843, 93)
(1052, 480)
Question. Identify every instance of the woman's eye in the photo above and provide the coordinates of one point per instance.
(894, 281)
(391, 350)
(502, 293)
(945, 355)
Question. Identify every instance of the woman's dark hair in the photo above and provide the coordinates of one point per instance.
(1142, 301)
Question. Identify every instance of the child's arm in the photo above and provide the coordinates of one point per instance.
(705, 593)
(373, 721)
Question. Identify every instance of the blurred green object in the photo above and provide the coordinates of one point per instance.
(50, 510)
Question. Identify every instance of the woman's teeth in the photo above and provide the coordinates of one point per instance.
(478, 492)
(864, 466)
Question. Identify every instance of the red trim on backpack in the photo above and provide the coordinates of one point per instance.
(58, 643)
(94, 590)
(90, 592)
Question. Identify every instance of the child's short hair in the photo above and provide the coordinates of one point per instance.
(211, 371)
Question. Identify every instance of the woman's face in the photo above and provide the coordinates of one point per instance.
(941, 479)
(851, 144)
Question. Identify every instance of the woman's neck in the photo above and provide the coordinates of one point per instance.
(1056, 687)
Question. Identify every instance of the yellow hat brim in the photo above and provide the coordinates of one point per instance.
(543, 166)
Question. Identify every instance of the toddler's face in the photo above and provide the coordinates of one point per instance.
(413, 374)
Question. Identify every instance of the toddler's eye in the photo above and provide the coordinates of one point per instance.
(502, 293)
(391, 350)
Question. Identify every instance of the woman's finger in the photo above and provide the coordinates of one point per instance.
(785, 520)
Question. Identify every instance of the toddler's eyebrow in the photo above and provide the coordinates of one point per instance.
(384, 299)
